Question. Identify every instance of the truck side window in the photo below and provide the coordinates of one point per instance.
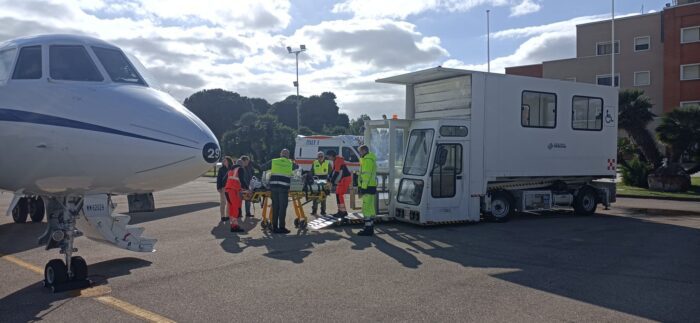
(538, 110)
(28, 65)
(350, 156)
(587, 113)
(446, 166)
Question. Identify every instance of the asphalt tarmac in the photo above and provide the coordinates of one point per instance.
(638, 261)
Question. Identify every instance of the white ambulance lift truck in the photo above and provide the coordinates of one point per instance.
(491, 144)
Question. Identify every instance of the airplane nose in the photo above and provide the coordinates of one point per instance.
(211, 152)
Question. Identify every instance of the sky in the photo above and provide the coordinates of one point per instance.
(240, 45)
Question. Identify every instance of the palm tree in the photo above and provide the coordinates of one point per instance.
(633, 116)
(680, 129)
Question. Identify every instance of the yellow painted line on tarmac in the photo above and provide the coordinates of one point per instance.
(23, 264)
(97, 293)
(133, 310)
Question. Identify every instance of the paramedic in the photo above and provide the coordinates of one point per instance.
(368, 189)
(320, 169)
(233, 189)
(220, 183)
(340, 171)
(281, 170)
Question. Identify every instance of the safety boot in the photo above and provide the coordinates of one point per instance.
(368, 231)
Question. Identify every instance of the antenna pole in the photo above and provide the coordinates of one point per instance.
(488, 42)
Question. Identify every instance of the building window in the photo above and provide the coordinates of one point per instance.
(587, 113)
(690, 34)
(690, 72)
(642, 43)
(605, 48)
(538, 110)
(605, 79)
(642, 78)
(689, 104)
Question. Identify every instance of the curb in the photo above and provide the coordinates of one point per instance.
(664, 198)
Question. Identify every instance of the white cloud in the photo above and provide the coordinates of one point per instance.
(402, 9)
(524, 8)
(189, 47)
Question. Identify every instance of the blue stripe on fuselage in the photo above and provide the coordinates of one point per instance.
(38, 118)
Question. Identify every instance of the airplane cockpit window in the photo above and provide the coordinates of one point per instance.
(6, 58)
(28, 65)
(72, 63)
(117, 66)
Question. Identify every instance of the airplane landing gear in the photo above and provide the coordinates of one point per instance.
(72, 274)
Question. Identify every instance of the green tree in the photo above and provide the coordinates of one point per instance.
(357, 126)
(220, 109)
(680, 130)
(260, 136)
(634, 116)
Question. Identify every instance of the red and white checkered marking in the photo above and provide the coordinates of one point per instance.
(612, 165)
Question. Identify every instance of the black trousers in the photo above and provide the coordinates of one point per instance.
(280, 199)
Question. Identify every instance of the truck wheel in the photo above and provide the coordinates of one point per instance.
(501, 207)
(21, 210)
(586, 201)
(36, 209)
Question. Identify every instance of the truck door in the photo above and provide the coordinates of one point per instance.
(447, 178)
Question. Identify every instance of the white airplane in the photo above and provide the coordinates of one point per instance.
(79, 122)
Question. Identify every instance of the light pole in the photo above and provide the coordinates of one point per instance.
(612, 46)
(488, 42)
(302, 48)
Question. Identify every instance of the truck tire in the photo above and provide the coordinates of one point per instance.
(586, 201)
(36, 209)
(21, 210)
(502, 207)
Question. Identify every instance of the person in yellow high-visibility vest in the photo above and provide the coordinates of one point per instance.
(320, 169)
(367, 184)
(281, 170)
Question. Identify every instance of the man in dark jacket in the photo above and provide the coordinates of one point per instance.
(220, 183)
(249, 172)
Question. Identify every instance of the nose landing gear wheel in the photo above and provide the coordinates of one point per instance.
(36, 209)
(79, 268)
(55, 273)
(21, 210)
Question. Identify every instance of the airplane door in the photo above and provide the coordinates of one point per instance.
(448, 176)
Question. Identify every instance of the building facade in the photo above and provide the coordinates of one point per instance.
(655, 52)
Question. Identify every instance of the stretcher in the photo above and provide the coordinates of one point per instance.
(299, 199)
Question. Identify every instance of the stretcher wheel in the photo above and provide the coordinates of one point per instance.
(296, 223)
(303, 224)
(264, 224)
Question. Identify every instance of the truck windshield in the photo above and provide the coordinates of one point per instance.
(418, 152)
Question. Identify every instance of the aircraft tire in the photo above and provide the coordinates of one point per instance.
(36, 209)
(55, 272)
(21, 210)
(79, 268)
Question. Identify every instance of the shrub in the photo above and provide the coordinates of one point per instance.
(635, 173)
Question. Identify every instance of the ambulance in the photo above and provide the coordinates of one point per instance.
(307, 148)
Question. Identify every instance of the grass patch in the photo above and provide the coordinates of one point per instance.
(210, 173)
(693, 193)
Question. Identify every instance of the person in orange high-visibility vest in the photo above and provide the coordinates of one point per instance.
(233, 195)
(340, 171)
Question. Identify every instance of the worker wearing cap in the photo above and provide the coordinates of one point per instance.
(320, 169)
(340, 171)
(281, 170)
(368, 189)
